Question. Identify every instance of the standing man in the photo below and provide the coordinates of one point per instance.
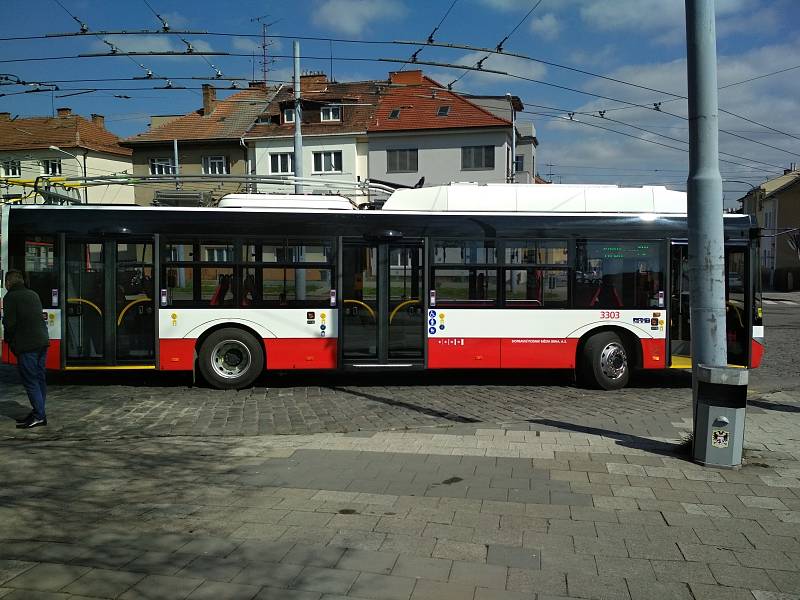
(26, 333)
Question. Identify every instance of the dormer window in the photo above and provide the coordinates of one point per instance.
(443, 111)
(330, 113)
(288, 115)
(395, 114)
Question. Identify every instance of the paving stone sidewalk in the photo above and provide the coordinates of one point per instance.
(545, 509)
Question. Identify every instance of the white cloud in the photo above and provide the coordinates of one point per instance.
(774, 101)
(547, 26)
(352, 17)
(246, 45)
(507, 5)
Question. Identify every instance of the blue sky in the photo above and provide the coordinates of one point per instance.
(638, 41)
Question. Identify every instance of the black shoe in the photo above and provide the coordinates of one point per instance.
(26, 418)
(31, 423)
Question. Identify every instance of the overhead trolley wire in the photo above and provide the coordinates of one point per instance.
(416, 52)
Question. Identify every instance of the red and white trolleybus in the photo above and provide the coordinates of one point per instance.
(464, 276)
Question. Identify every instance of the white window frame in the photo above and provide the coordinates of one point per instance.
(326, 114)
(51, 167)
(12, 168)
(212, 164)
(288, 115)
(331, 155)
(289, 156)
(405, 154)
(162, 165)
(443, 111)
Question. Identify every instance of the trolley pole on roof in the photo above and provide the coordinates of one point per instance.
(719, 392)
(298, 117)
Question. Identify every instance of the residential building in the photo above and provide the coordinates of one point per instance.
(38, 153)
(335, 117)
(422, 130)
(209, 142)
(508, 107)
(776, 206)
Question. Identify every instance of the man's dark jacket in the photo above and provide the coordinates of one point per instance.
(24, 328)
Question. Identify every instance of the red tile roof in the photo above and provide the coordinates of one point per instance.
(67, 131)
(416, 101)
(358, 101)
(229, 119)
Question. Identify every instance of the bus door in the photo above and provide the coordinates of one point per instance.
(382, 321)
(738, 310)
(110, 303)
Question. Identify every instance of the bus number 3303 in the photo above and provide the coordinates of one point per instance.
(609, 314)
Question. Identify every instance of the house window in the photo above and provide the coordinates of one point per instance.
(330, 113)
(395, 113)
(519, 163)
(328, 162)
(12, 168)
(288, 115)
(281, 163)
(51, 166)
(401, 161)
(162, 166)
(215, 165)
(443, 111)
(474, 158)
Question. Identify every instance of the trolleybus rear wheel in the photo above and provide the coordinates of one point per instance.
(605, 362)
(231, 359)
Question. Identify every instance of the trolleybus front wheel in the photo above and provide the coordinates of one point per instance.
(231, 359)
(605, 362)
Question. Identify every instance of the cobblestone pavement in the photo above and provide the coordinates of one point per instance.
(475, 487)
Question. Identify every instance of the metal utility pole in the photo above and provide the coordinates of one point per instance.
(298, 117)
(177, 163)
(513, 174)
(719, 392)
(704, 186)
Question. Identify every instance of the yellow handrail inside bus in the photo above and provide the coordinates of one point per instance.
(360, 303)
(83, 301)
(128, 306)
(401, 305)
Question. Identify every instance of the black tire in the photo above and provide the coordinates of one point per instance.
(231, 359)
(605, 362)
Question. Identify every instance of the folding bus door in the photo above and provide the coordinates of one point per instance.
(110, 303)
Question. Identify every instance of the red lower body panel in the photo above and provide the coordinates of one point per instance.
(756, 354)
(176, 355)
(53, 361)
(464, 353)
(654, 354)
(306, 353)
(538, 353)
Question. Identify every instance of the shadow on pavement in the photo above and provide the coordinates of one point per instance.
(677, 450)
(13, 410)
(776, 406)
(431, 412)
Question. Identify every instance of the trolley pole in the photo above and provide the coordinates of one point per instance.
(298, 117)
(717, 433)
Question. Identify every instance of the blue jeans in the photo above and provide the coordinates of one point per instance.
(31, 370)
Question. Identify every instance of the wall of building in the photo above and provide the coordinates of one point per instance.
(439, 155)
(97, 164)
(190, 159)
(778, 212)
(354, 165)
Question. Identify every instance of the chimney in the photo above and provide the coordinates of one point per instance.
(99, 120)
(405, 77)
(257, 84)
(209, 99)
(5, 116)
(315, 81)
(63, 112)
